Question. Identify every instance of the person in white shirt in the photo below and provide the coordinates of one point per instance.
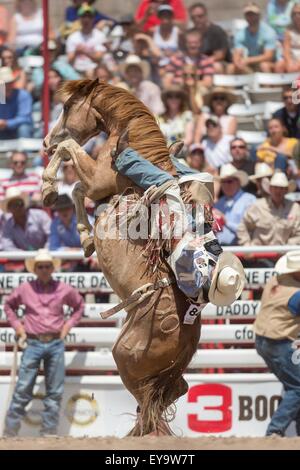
(136, 72)
(216, 145)
(85, 48)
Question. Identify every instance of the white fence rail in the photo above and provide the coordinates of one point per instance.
(246, 309)
(93, 281)
(106, 337)
(204, 358)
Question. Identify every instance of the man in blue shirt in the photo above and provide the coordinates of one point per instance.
(254, 46)
(16, 113)
(63, 230)
(231, 207)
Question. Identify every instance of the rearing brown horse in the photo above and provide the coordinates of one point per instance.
(154, 346)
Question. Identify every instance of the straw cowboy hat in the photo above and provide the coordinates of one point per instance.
(133, 59)
(262, 170)
(208, 97)
(229, 171)
(202, 193)
(280, 180)
(228, 280)
(174, 90)
(43, 256)
(14, 193)
(6, 75)
(289, 263)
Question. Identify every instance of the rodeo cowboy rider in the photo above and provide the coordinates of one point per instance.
(202, 270)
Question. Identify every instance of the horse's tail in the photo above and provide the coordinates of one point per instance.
(158, 394)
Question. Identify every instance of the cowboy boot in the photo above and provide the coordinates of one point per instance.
(122, 144)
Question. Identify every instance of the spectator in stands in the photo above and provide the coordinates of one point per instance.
(86, 47)
(123, 36)
(231, 207)
(70, 177)
(261, 178)
(72, 12)
(9, 59)
(276, 145)
(196, 159)
(166, 35)
(146, 14)
(177, 121)
(277, 328)
(27, 229)
(65, 69)
(272, 220)
(41, 334)
(278, 16)
(174, 71)
(290, 62)
(63, 230)
(215, 41)
(3, 219)
(15, 114)
(218, 101)
(27, 183)
(55, 80)
(26, 28)
(241, 161)
(216, 145)
(4, 24)
(254, 46)
(240, 156)
(289, 114)
(136, 73)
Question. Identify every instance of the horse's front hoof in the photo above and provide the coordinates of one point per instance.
(49, 197)
(88, 247)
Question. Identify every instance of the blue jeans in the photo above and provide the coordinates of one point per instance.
(52, 354)
(143, 173)
(278, 356)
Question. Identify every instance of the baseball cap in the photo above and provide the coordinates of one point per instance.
(252, 8)
(214, 119)
(86, 9)
(195, 147)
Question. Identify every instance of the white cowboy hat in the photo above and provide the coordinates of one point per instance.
(43, 256)
(6, 75)
(205, 191)
(289, 263)
(280, 180)
(228, 280)
(229, 171)
(262, 170)
(14, 193)
(133, 59)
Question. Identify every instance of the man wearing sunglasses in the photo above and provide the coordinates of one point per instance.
(29, 183)
(289, 114)
(27, 229)
(42, 332)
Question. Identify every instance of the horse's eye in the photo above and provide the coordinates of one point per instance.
(66, 108)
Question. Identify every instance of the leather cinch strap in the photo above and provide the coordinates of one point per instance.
(138, 296)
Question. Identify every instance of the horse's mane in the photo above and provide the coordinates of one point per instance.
(120, 109)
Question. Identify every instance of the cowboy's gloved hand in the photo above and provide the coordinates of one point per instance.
(122, 144)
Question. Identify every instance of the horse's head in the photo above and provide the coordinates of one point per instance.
(79, 119)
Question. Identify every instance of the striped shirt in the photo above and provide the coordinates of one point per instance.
(204, 65)
(28, 184)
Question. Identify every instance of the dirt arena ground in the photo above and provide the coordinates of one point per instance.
(151, 443)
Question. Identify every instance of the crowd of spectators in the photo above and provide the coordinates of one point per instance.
(167, 54)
